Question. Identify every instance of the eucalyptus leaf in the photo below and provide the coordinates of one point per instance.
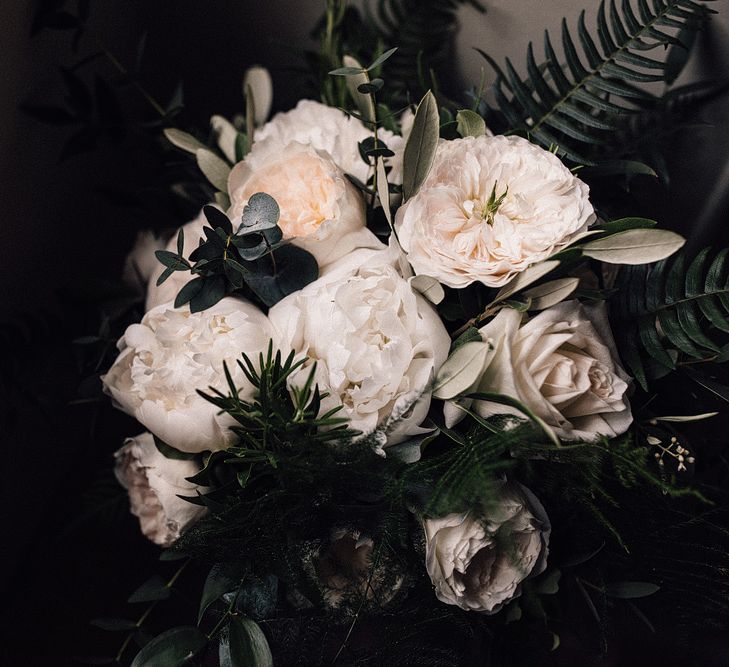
(222, 578)
(551, 293)
(172, 648)
(247, 645)
(429, 287)
(261, 212)
(628, 590)
(155, 588)
(184, 141)
(462, 370)
(634, 246)
(381, 59)
(470, 124)
(215, 169)
(421, 146)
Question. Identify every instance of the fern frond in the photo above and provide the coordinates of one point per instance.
(574, 106)
(670, 311)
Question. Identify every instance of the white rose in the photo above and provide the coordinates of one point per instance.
(171, 354)
(140, 264)
(167, 291)
(560, 367)
(377, 344)
(154, 484)
(479, 562)
(320, 209)
(325, 128)
(452, 232)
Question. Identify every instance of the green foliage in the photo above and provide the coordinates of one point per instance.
(672, 311)
(252, 259)
(576, 108)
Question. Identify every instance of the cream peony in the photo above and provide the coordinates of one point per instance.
(154, 484)
(377, 344)
(325, 129)
(321, 211)
(479, 562)
(167, 291)
(490, 207)
(141, 264)
(171, 354)
(560, 367)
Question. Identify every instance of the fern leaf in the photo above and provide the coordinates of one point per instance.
(668, 311)
(575, 105)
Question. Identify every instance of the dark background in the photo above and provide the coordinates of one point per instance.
(60, 236)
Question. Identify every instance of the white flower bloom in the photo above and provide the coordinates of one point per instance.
(167, 291)
(559, 366)
(479, 562)
(320, 209)
(140, 264)
(375, 341)
(490, 207)
(154, 484)
(324, 128)
(171, 354)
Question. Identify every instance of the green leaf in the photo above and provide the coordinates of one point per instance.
(462, 370)
(217, 218)
(421, 146)
(171, 453)
(172, 648)
(114, 624)
(551, 293)
(155, 588)
(381, 59)
(184, 141)
(189, 290)
(470, 124)
(628, 590)
(383, 191)
(364, 101)
(246, 645)
(215, 169)
(223, 578)
(212, 291)
(525, 278)
(634, 246)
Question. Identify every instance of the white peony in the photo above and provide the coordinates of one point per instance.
(167, 291)
(489, 208)
(171, 354)
(377, 344)
(479, 562)
(325, 128)
(321, 211)
(154, 484)
(561, 366)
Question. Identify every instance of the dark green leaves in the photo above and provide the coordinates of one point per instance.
(352, 71)
(253, 259)
(576, 106)
(222, 578)
(155, 588)
(172, 648)
(244, 645)
(672, 309)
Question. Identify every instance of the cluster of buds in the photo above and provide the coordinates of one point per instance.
(674, 449)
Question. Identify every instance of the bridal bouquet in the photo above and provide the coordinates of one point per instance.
(396, 382)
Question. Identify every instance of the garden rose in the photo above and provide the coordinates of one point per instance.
(167, 291)
(479, 562)
(320, 209)
(377, 344)
(341, 567)
(326, 129)
(154, 484)
(559, 366)
(489, 208)
(171, 354)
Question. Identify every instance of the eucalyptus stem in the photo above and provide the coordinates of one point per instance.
(140, 621)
